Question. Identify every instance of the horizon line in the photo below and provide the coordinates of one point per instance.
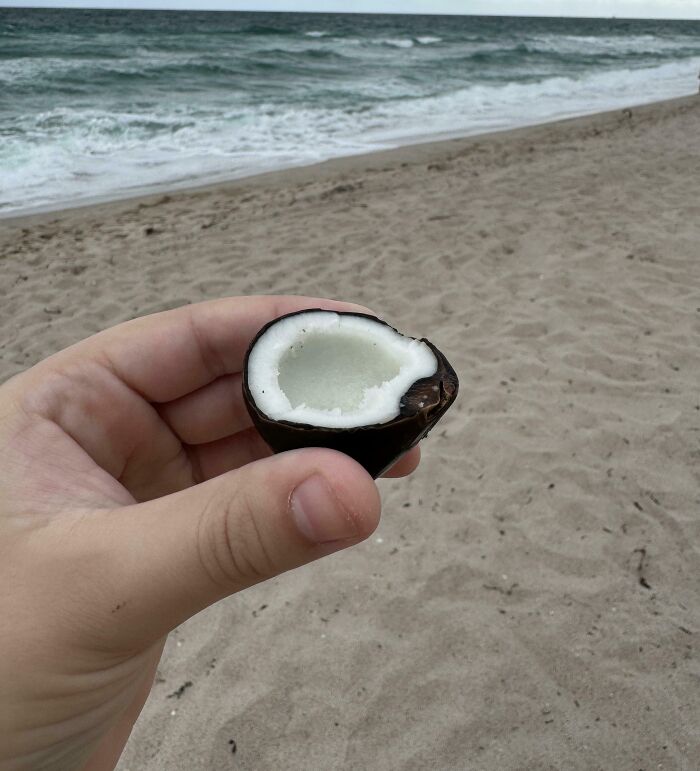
(346, 13)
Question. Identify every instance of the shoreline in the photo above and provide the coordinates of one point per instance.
(432, 146)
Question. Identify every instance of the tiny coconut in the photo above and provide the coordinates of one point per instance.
(346, 381)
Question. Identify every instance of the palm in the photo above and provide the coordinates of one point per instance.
(92, 438)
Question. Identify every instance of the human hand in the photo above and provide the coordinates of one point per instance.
(134, 493)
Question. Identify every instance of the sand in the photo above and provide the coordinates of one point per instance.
(531, 599)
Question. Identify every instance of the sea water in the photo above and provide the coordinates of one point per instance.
(100, 104)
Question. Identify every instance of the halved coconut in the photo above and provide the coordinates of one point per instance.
(347, 381)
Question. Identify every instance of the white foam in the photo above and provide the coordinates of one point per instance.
(68, 155)
(617, 45)
(398, 42)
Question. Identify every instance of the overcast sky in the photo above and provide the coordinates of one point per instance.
(679, 9)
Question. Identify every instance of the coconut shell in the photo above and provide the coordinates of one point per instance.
(376, 447)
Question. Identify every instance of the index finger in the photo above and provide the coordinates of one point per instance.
(167, 355)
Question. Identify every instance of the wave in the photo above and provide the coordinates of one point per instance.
(617, 45)
(398, 43)
(264, 29)
(524, 53)
(175, 70)
(78, 70)
(483, 107)
(74, 153)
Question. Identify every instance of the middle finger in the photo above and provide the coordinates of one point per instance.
(212, 412)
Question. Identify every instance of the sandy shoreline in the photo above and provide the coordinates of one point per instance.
(423, 148)
(530, 600)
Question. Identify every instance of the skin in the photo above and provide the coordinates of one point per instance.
(134, 493)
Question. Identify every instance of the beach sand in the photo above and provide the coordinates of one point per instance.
(531, 599)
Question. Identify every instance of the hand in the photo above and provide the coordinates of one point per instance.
(134, 493)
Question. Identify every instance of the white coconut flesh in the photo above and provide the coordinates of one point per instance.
(334, 371)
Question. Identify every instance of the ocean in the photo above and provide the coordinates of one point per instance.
(105, 104)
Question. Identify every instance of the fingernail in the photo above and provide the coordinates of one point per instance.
(318, 514)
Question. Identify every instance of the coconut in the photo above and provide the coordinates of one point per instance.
(346, 381)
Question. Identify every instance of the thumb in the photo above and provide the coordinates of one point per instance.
(173, 556)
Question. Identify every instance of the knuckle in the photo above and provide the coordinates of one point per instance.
(232, 547)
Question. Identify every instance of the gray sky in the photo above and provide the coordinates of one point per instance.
(678, 9)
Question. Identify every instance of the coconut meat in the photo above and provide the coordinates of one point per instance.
(334, 370)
